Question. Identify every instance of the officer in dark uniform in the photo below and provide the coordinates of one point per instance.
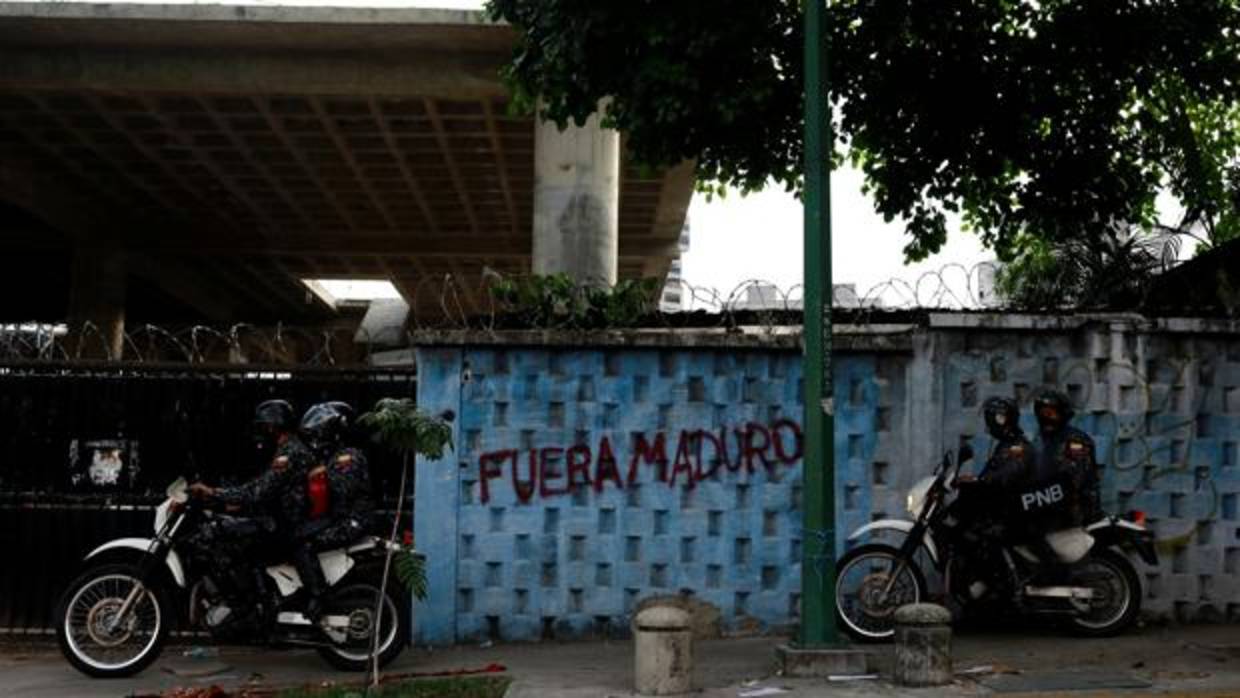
(1011, 457)
(1066, 454)
(257, 510)
(338, 495)
(1063, 492)
(981, 504)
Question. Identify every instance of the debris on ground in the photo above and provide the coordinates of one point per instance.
(752, 689)
(983, 669)
(1180, 675)
(197, 670)
(987, 670)
(203, 692)
(1219, 653)
(201, 652)
(853, 677)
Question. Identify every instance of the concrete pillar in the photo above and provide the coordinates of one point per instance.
(577, 201)
(923, 645)
(663, 652)
(97, 304)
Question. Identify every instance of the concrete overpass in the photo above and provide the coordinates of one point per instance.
(196, 161)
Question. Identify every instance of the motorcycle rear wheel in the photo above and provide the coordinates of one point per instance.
(1118, 594)
(83, 630)
(862, 612)
(356, 598)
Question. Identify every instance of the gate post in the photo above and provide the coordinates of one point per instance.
(436, 500)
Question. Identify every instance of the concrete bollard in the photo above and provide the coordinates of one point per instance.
(663, 646)
(923, 641)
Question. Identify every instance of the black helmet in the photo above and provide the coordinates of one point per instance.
(325, 425)
(1053, 410)
(1002, 416)
(274, 416)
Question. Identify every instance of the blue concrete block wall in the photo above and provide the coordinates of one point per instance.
(566, 557)
(533, 532)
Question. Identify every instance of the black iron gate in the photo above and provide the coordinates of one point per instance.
(86, 449)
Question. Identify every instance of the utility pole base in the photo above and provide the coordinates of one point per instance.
(820, 663)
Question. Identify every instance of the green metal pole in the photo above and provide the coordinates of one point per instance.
(818, 568)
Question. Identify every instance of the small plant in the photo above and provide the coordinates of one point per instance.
(400, 426)
(411, 571)
(558, 301)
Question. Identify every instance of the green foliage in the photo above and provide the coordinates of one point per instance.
(399, 425)
(1113, 271)
(557, 301)
(411, 571)
(1051, 120)
(716, 82)
(455, 687)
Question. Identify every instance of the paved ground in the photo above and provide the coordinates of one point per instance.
(1200, 660)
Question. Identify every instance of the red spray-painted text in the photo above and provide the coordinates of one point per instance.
(698, 455)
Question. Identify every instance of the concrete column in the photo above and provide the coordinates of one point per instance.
(577, 201)
(97, 303)
(436, 508)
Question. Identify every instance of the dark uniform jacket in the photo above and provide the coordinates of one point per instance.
(985, 503)
(279, 491)
(1067, 457)
(1010, 464)
(350, 503)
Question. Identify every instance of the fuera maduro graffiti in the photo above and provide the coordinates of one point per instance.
(696, 455)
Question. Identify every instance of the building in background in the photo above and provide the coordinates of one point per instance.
(764, 296)
(988, 294)
(676, 293)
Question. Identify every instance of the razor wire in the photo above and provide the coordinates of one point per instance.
(453, 302)
(458, 302)
(237, 345)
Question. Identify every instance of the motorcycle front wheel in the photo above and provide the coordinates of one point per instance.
(94, 639)
(1117, 594)
(864, 604)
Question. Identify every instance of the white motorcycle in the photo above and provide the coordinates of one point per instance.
(1100, 596)
(114, 618)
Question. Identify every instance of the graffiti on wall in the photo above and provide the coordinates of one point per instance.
(692, 456)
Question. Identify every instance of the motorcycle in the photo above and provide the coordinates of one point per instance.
(113, 620)
(1099, 595)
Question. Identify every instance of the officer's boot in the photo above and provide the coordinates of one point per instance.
(312, 579)
(244, 598)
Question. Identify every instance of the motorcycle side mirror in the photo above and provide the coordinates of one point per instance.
(966, 453)
(178, 490)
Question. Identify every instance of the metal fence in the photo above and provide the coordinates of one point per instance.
(86, 450)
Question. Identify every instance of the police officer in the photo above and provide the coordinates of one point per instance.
(1066, 454)
(981, 502)
(339, 502)
(1066, 471)
(257, 509)
(1011, 457)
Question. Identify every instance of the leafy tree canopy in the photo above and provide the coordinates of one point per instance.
(1043, 120)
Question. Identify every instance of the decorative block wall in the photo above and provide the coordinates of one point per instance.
(589, 480)
(1164, 412)
(586, 479)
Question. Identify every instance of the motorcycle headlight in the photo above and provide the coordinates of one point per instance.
(916, 498)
